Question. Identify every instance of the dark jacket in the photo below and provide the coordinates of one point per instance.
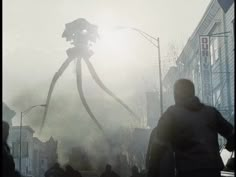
(55, 172)
(166, 167)
(192, 129)
(72, 173)
(109, 174)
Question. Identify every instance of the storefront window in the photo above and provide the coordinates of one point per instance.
(214, 49)
(217, 98)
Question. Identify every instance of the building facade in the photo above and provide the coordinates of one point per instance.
(138, 147)
(26, 148)
(208, 59)
(7, 114)
(36, 156)
(153, 109)
(168, 84)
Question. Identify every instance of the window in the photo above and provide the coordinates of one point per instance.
(196, 79)
(193, 75)
(214, 42)
(217, 98)
(214, 49)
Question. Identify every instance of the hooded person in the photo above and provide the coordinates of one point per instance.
(70, 172)
(191, 128)
(109, 172)
(55, 171)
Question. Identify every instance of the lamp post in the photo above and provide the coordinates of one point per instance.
(21, 116)
(157, 45)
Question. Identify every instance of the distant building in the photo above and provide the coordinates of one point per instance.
(36, 156)
(168, 85)
(79, 159)
(44, 155)
(138, 147)
(153, 108)
(26, 148)
(50, 151)
(7, 114)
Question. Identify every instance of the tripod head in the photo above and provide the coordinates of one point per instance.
(82, 35)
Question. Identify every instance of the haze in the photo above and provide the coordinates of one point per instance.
(33, 50)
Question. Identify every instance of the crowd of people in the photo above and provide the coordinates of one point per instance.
(57, 171)
(183, 144)
(9, 170)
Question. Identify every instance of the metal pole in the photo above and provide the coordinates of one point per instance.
(21, 116)
(160, 77)
(20, 141)
(159, 57)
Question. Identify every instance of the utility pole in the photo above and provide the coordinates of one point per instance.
(21, 116)
(20, 141)
(150, 38)
(160, 76)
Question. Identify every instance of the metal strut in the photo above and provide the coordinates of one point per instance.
(53, 82)
(100, 83)
(81, 94)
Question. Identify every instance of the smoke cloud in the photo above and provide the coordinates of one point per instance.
(69, 123)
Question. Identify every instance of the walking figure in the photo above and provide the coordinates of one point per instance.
(191, 128)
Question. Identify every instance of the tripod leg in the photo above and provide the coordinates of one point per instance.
(53, 82)
(81, 94)
(100, 83)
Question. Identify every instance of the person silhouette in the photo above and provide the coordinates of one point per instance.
(70, 172)
(191, 128)
(55, 171)
(109, 172)
(135, 171)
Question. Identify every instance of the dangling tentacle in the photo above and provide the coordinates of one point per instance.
(99, 82)
(53, 82)
(81, 94)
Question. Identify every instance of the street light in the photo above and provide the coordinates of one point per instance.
(157, 45)
(21, 116)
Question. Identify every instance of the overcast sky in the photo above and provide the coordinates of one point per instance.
(33, 50)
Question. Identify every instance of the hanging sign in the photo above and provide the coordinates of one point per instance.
(206, 69)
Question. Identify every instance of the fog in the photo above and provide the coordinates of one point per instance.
(33, 51)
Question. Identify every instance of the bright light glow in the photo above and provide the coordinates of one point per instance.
(84, 31)
(111, 40)
(114, 49)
